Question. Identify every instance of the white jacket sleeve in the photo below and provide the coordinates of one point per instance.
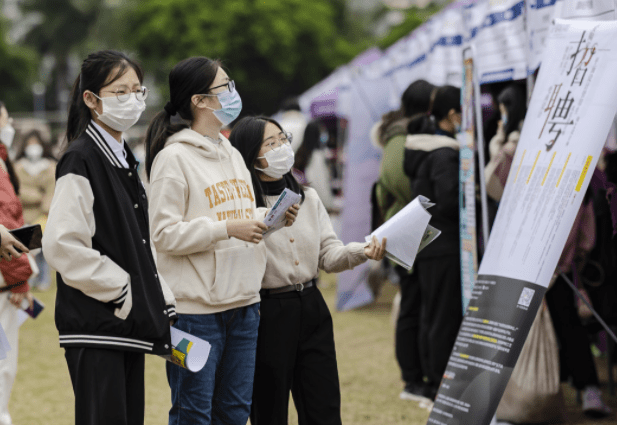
(334, 256)
(67, 243)
(170, 233)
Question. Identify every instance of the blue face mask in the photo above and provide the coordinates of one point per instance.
(231, 106)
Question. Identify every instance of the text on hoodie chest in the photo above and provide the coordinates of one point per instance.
(229, 190)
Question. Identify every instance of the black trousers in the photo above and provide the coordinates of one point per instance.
(574, 350)
(295, 352)
(407, 342)
(441, 312)
(108, 386)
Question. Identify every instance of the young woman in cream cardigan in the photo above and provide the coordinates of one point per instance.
(295, 346)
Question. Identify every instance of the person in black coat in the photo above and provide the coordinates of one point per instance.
(432, 164)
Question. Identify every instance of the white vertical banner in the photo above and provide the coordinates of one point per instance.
(568, 119)
(467, 183)
(540, 15)
(444, 60)
(500, 40)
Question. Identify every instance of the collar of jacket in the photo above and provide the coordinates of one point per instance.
(104, 147)
(429, 142)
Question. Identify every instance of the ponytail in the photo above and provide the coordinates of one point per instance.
(189, 77)
(79, 113)
(158, 131)
(421, 124)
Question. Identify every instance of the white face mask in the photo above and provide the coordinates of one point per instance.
(121, 116)
(280, 161)
(34, 152)
(7, 133)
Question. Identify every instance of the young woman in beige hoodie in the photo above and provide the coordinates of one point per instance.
(207, 232)
(295, 348)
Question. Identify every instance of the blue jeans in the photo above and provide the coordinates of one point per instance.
(221, 392)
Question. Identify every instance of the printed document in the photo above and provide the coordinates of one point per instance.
(407, 232)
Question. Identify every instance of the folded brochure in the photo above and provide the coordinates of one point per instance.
(275, 219)
(188, 351)
(407, 232)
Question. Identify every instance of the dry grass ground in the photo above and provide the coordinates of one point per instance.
(368, 371)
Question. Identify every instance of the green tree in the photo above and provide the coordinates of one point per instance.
(17, 67)
(65, 25)
(272, 48)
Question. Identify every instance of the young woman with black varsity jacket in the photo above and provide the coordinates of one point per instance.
(112, 306)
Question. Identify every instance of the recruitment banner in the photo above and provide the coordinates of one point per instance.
(498, 33)
(467, 184)
(571, 111)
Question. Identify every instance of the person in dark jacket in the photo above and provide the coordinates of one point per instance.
(393, 193)
(432, 164)
(112, 306)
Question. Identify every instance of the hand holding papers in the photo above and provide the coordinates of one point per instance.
(407, 232)
(188, 351)
(275, 218)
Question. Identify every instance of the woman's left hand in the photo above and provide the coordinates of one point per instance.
(17, 297)
(375, 250)
(291, 214)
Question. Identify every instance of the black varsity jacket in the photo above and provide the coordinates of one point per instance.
(110, 294)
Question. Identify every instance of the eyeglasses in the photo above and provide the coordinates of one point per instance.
(274, 142)
(124, 93)
(231, 86)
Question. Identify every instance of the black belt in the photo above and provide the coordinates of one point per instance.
(298, 287)
(14, 285)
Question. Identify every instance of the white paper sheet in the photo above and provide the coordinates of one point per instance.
(407, 232)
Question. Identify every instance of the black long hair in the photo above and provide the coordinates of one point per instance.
(513, 98)
(247, 137)
(9, 165)
(310, 142)
(190, 76)
(416, 101)
(443, 99)
(98, 70)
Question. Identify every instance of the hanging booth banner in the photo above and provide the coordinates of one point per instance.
(444, 58)
(363, 100)
(467, 184)
(571, 111)
(499, 40)
(540, 15)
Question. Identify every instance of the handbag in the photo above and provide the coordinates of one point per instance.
(533, 394)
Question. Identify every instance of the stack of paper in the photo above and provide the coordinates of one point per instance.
(275, 218)
(188, 351)
(407, 232)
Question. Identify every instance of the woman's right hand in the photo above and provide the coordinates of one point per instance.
(246, 230)
(8, 244)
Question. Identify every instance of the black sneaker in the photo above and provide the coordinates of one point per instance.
(414, 392)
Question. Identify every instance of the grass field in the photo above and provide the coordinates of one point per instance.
(368, 372)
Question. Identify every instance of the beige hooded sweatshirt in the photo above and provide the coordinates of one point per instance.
(196, 185)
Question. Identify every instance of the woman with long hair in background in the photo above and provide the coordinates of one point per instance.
(36, 168)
